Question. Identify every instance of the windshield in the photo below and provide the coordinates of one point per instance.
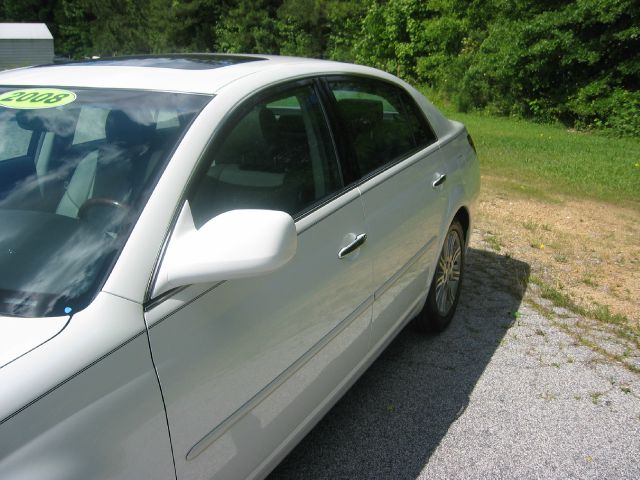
(76, 167)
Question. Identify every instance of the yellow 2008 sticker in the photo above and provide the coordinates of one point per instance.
(32, 98)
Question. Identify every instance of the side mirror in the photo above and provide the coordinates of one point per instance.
(235, 244)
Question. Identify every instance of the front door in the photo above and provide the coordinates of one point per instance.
(242, 364)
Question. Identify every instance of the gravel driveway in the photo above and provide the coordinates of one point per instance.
(499, 394)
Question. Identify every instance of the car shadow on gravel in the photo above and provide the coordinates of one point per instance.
(391, 421)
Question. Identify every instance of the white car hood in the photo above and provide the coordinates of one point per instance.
(20, 335)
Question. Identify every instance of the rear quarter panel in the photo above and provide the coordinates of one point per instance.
(463, 175)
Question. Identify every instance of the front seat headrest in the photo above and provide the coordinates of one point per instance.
(121, 128)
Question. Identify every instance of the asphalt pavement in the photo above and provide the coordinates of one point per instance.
(504, 393)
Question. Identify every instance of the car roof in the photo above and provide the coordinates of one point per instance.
(190, 73)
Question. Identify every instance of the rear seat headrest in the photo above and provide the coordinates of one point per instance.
(361, 114)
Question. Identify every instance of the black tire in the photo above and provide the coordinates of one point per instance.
(442, 299)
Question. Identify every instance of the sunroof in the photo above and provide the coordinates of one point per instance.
(180, 62)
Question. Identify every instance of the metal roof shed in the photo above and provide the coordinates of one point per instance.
(23, 44)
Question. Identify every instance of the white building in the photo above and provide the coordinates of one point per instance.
(23, 44)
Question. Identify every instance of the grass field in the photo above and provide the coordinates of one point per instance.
(567, 204)
(551, 159)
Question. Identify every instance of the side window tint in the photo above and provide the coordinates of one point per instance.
(278, 155)
(382, 122)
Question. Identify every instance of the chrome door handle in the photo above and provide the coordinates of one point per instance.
(441, 177)
(357, 242)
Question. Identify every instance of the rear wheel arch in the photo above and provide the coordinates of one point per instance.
(462, 215)
(437, 312)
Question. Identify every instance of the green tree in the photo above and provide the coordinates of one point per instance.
(570, 62)
(113, 27)
(194, 24)
(249, 27)
(344, 26)
(303, 27)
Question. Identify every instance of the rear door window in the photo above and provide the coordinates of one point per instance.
(381, 120)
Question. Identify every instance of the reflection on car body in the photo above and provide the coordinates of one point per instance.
(201, 253)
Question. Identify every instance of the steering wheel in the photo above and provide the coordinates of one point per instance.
(93, 203)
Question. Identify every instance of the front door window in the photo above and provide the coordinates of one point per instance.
(277, 155)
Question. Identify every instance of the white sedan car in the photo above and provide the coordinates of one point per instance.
(199, 254)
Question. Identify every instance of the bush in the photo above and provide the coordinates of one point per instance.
(574, 61)
(599, 106)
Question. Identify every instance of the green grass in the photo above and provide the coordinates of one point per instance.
(595, 397)
(620, 325)
(545, 159)
(598, 312)
(493, 241)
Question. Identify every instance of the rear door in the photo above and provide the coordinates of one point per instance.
(244, 365)
(401, 176)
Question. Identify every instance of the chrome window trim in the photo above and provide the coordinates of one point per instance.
(305, 220)
(301, 219)
(404, 162)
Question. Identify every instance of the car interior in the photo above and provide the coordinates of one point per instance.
(266, 161)
(376, 130)
(57, 173)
